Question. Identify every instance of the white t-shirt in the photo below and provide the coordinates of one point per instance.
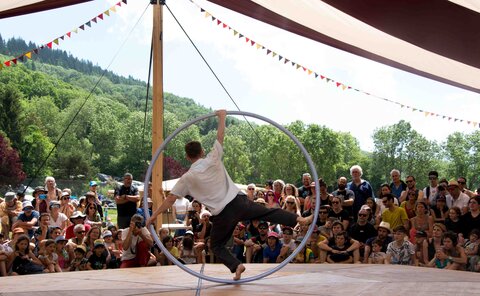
(461, 201)
(60, 219)
(181, 205)
(130, 252)
(208, 182)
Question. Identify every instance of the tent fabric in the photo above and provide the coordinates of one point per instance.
(437, 39)
(10, 8)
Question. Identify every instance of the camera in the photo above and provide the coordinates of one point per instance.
(42, 196)
(138, 224)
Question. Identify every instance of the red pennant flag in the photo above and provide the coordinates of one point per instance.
(218, 22)
(252, 42)
(14, 61)
(7, 63)
(69, 34)
(119, 4)
(338, 84)
(247, 39)
(224, 25)
(322, 77)
(100, 16)
(82, 27)
(304, 69)
(49, 45)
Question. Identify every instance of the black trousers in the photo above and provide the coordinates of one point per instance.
(240, 209)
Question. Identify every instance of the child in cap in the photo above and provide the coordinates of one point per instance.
(98, 259)
(79, 263)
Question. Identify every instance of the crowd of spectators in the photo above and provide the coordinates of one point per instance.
(437, 227)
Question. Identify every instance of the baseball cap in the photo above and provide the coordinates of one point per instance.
(107, 233)
(93, 183)
(9, 196)
(26, 204)
(98, 243)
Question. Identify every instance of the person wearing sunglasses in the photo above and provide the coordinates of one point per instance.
(362, 230)
(208, 181)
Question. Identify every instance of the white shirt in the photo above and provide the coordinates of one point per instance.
(208, 182)
(461, 201)
(60, 219)
(131, 252)
(181, 205)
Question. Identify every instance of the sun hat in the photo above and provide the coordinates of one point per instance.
(385, 225)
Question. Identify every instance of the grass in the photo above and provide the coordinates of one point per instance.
(112, 215)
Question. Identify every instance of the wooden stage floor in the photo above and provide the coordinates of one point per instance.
(294, 279)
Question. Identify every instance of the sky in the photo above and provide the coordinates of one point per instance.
(257, 82)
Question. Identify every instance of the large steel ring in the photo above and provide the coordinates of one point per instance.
(258, 276)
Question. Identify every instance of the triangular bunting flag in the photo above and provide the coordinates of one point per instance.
(468, 122)
(124, 1)
(113, 9)
(338, 84)
(309, 71)
(88, 23)
(252, 42)
(213, 18)
(42, 46)
(293, 63)
(7, 63)
(322, 77)
(35, 51)
(119, 4)
(414, 109)
(100, 16)
(240, 36)
(316, 75)
(280, 57)
(21, 58)
(82, 27)
(69, 34)
(449, 118)
(107, 12)
(426, 113)
(62, 37)
(247, 39)
(474, 123)
(14, 61)
(274, 54)
(29, 54)
(258, 46)
(344, 87)
(224, 25)
(55, 41)
(219, 22)
(328, 80)
(75, 30)
(298, 66)
(235, 33)
(286, 61)
(49, 45)
(94, 20)
(202, 10)
(268, 51)
(304, 69)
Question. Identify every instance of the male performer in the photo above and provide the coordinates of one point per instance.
(208, 182)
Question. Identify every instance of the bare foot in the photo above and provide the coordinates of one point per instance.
(305, 220)
(238, 272)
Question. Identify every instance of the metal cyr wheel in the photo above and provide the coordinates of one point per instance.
(258, 276)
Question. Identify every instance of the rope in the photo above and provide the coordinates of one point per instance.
(85, 101)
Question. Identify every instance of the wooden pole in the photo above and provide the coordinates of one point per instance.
(157, 115)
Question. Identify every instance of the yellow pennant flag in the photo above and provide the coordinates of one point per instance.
(29, 54)
(55, 41)
(113, 9)
(298, 66)
(207, 14)
(258, 46)
(309, 71)
(107, 12)
(273, 54)
(344, 87)
(75, 30)
(426, 113)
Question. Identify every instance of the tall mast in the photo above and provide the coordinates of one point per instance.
(157, 110)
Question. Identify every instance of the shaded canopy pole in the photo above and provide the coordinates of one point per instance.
(157, 101)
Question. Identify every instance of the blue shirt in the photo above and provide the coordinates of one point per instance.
(272, 254)
(24, 218)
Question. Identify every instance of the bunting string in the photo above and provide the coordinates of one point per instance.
(28, 55)
(337, 84)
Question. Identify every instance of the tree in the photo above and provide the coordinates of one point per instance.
(10, 112)
(11, 172)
